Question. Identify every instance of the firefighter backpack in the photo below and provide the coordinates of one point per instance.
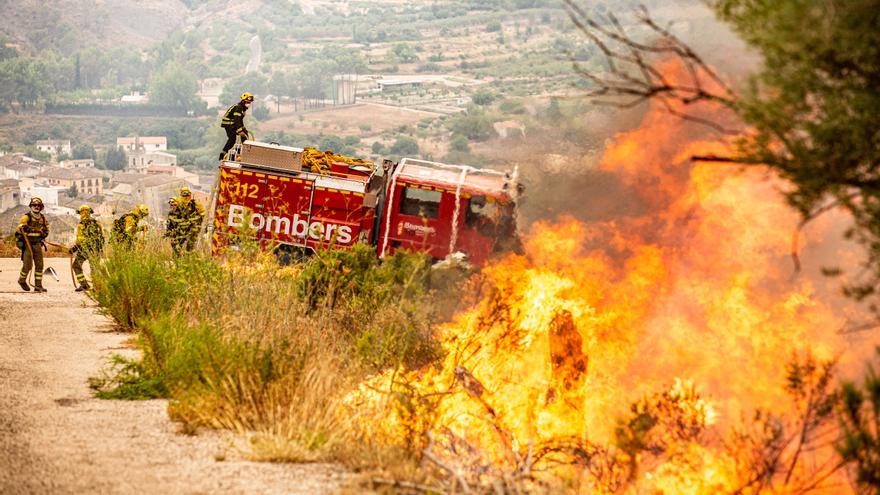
(119, 227)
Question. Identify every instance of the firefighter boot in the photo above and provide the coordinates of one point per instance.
(24, 286)
(83, 286)
(39, 288)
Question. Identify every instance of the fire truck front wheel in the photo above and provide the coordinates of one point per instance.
(288, 255)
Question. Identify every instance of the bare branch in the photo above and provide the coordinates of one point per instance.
(631, 71)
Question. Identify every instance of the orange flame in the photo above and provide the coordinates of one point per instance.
(696, 294)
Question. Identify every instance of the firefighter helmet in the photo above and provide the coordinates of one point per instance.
(85, 208)
(247, 96)
(185, 192)
(141, 210)
(36, 202)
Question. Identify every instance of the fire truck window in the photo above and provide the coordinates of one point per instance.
(420, 202)
(482, 214)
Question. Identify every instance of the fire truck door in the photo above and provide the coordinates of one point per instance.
(423, 219)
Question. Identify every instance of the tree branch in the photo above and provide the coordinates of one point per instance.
(631, 72)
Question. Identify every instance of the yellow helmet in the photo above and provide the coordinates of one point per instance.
(247, 96)
(184, 191)
(141, 210)
(85, 208)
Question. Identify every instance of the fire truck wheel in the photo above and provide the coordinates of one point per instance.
(288, 255)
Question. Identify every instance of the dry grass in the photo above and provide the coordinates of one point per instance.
(269, 352)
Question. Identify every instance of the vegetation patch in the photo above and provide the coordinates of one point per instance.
(268, 351)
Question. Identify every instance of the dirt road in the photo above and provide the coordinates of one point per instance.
(56, 438)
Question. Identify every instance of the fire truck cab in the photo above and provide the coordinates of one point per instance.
(442, 209)
(413, 205)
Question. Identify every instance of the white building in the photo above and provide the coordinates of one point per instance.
(18, 166)
(174, 171)
(9, 194)
(54, 146)
(86, 181)
(140, 161)
(142, 143)
(85, 163)
(135, 97)
(49, 194)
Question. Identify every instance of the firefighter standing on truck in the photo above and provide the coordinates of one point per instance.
(89, 244)
(32, 231)
(233, 122)
(184, 222)
(126, 228)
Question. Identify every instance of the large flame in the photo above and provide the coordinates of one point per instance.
(695, 299)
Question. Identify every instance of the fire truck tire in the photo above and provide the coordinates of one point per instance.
(288, 255)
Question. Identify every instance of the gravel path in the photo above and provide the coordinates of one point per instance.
(56, 438)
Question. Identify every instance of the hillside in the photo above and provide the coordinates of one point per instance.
(70, 25)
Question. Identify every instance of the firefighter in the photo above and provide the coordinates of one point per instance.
(32, 231)
(126, 228)
(89, 244)
(184, 221)
(233, 122)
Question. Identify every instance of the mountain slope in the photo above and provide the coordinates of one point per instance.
(71, 25)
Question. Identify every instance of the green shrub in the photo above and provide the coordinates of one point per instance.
(253, 347)
(131, 285)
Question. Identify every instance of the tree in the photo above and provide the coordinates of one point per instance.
(483, 98)
(515, 107)
(405, 146)
(405, 53)
(314, 79)
(175, 87)
(813, 110)
(84, 152)
(24, 81)
(261, 113)
(115, 158)
(553, 112)
(37, 154)
(475, 125)
(253, 83)
(282, 84)
(459, 143)
(860, 417)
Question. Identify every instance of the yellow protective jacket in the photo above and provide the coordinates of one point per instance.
(89, 237)
(234, 118)
(34, 226)
(185, 219)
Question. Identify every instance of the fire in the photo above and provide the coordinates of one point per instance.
(691, 308)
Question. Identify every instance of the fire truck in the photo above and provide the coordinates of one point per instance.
(298, 200)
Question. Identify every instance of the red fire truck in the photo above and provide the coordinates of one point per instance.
(268, 195)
